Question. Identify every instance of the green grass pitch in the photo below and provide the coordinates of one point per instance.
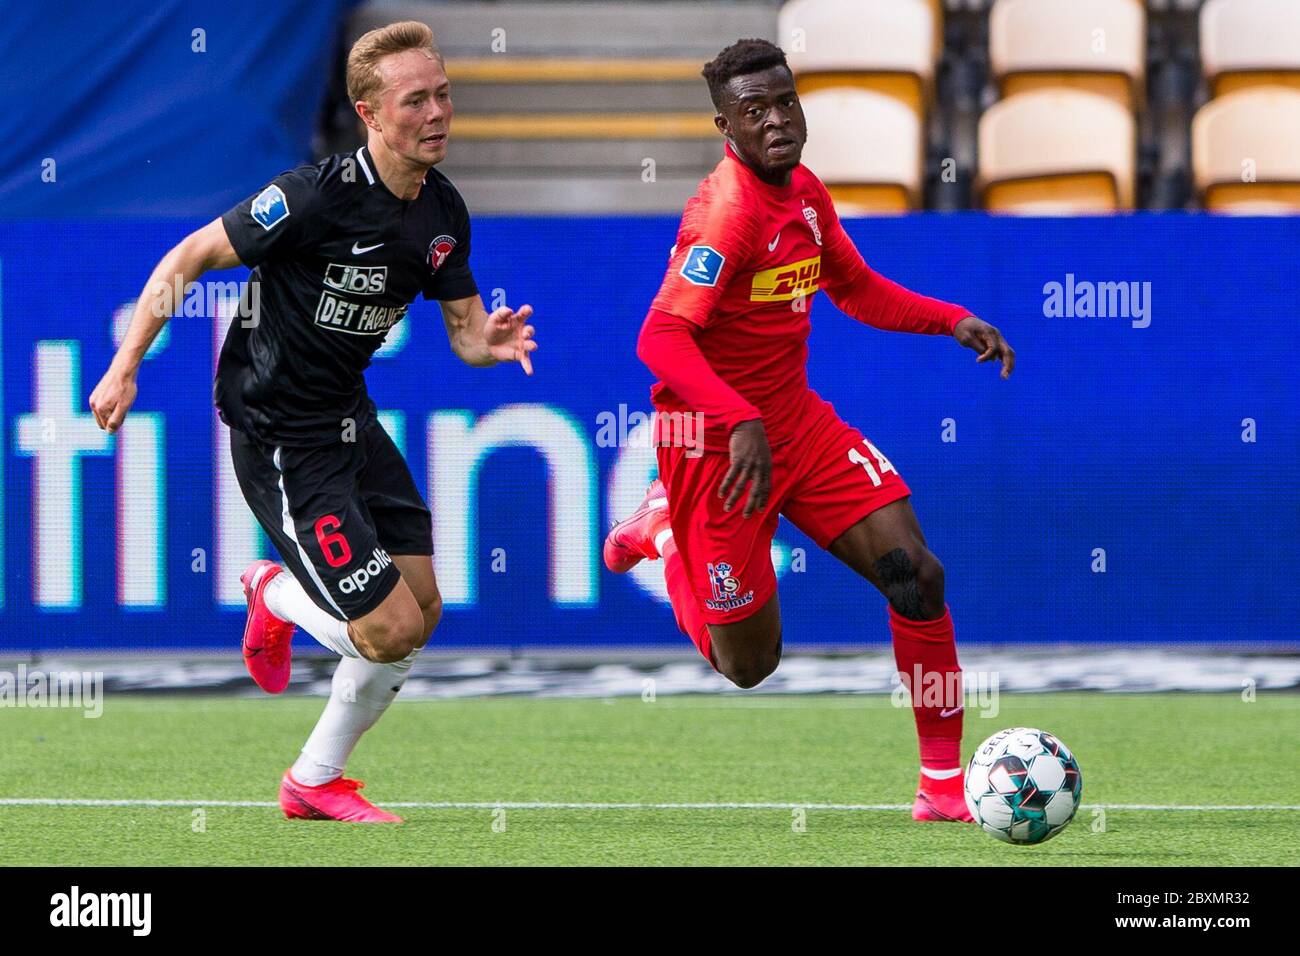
(1167, 750)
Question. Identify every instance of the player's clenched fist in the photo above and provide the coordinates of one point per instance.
(751, 464)
(112, 399)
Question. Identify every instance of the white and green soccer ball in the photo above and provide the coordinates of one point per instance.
(1023, 785)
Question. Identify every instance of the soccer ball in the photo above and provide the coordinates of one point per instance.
(1023, 785)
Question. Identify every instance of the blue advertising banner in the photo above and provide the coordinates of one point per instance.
(1135, 479)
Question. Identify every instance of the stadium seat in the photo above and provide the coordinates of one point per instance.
(1094, 45)
(1057, 152)
(1247, 43)
(888, 46)
(866, 147)
(1251, 134)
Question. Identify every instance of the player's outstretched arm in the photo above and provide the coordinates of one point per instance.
(480, 338)
(202, 250)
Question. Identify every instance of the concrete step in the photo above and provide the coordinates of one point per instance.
(683, 156)
(551, 193)
(586, 126)
(673, 29)
(472, 96)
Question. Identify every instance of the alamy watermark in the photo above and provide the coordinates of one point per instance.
(207, 299)
(75, 908)
(1083, 299)
(636, 429)
(948, 691)
(35, 688)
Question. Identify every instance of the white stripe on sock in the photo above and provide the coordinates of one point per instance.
(661, 539)
(941, 774)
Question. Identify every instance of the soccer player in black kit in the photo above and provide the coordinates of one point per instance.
(339, 250)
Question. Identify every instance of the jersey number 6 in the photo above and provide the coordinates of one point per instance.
(332, 544)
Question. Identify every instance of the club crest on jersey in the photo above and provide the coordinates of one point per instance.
(726, 589)
(439, 250)
(810, 214)
(703, 265)
(270, 207)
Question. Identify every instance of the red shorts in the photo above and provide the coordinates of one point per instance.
(825, 482)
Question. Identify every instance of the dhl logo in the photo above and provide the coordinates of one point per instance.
(786, 282)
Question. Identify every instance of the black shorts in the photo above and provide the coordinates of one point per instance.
(336, 513)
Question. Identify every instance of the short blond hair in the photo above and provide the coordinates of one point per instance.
(364, 80)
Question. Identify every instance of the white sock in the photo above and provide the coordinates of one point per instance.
(360, 693)
(289, 602)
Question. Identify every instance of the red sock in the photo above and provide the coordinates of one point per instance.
(685, 605)
(928, 649)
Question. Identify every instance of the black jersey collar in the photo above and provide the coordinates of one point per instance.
(364, 159)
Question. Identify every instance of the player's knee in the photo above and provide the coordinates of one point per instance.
(912, 581)
(749, 673)
(396, 636)
(929, 581)
(750, 670)
(431, 611)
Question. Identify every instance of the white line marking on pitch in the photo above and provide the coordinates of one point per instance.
(513, 805)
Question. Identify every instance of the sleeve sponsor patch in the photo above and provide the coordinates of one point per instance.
(703, 265)
(270, 207)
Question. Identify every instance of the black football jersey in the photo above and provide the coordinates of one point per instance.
(337, 259)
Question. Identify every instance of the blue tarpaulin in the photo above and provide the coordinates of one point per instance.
(164, 109)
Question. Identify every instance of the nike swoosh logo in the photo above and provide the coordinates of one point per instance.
(771, 247)
(949, 713)
(357, 248)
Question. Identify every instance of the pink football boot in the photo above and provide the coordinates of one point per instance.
(942, 800)
(632, 540)
(336, 800)
(267, 639)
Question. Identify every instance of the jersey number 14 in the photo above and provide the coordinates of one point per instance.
(882, 463)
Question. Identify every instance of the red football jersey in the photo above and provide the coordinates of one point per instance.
(748, 258)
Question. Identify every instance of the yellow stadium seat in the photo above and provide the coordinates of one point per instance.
(1247, 43)
(1246, 152)
(866, 147)
(886, 46)
(1096, 46)
(870, 200)
(1057, 152)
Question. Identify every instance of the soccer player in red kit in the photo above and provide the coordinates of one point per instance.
(727, 337)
